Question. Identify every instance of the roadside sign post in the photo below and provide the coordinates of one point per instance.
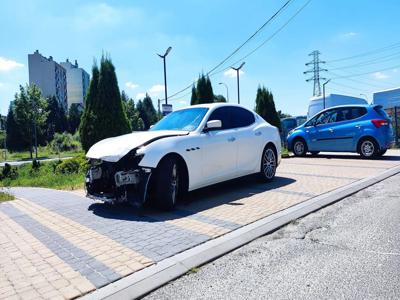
(166, 109)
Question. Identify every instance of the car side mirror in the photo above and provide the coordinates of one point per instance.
(213, 125)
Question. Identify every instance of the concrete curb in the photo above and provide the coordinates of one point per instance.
(140, 283)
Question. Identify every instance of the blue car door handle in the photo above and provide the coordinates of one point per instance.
(330, 129)
(231, 139)
(358, 126)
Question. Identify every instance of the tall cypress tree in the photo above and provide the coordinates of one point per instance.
(265, 107)
(204, 92)
(147, 112)
(104, 114)
(193, 99)
(14, 135)
(89, 117)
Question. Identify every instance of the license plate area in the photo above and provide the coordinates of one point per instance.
(126, 177)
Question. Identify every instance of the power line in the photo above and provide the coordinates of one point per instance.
(383, 49)
(366, 73)
(369, 62)
(281, 9)
(268, 39)
(338, 76)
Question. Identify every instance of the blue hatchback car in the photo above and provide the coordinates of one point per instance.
(365, 129)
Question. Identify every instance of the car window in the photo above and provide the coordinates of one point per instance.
(329, 116)
(241, 117)
(222, 114)
(185, 119)
(350, 113)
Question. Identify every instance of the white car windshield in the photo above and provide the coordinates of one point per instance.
(185, 120)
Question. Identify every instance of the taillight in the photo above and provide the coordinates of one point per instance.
(378, 123)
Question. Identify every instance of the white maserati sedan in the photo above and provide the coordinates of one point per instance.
(188, 149)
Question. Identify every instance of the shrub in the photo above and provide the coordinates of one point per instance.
(64, 142)
(8, 172)
(73, 165)
(35, 165)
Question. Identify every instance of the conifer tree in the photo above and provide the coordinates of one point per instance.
(104, 114)
(265, 107)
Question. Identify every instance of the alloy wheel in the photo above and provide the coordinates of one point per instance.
(367, 148)
(299, 148)
(174, 183)
(269, 163)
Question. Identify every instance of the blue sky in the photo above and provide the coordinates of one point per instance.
(201, 34)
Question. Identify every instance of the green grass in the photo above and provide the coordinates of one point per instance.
(285, 153)
(43, 152)
(44, 177)
(6, 197)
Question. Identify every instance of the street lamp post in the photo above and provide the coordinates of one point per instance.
(165, 72)
(227, 94)
(237, 76)
(323, 90)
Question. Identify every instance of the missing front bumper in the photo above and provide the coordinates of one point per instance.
(118, 186)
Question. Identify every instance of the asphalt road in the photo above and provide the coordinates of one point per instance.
(348, 250)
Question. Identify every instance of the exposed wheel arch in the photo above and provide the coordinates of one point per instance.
(183, 168)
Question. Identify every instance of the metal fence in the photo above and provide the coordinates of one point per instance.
(394, 114)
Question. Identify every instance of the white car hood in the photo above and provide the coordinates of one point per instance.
(113, 149)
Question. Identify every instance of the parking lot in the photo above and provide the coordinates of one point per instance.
(61, 244)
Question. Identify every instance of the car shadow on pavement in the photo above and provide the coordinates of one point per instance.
(194, 202)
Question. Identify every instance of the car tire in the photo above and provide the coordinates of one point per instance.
(314, 153)
(368, 148)
(269, 163)
(167, 183)
(299, 147)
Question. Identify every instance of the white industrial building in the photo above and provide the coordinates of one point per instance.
(77, 82)
(49, 76)
(387, 98)
(317, 103)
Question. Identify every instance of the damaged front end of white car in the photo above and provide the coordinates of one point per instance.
(120, 181)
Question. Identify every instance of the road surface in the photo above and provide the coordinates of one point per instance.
(349, 250)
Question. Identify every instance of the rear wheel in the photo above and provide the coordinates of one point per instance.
(368, 148)
(299, 147)
(167, 183)
(268, 163)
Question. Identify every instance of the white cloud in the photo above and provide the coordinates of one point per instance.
(349, 34)
(395, 70)
(380, 75)
(8, 64)
(131, 85)
(156, 89)
(140, 95)
(232, 73)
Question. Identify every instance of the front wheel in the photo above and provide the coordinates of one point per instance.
(167, 183)
(368, 148)
(268, 164)
(299, 148)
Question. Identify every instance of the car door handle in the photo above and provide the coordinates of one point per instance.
(358, 126)
(330, 130)
(231, 139)
(258, 133)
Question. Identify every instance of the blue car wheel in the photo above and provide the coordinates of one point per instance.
(299, 147)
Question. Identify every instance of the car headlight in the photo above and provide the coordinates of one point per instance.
(290, 132)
